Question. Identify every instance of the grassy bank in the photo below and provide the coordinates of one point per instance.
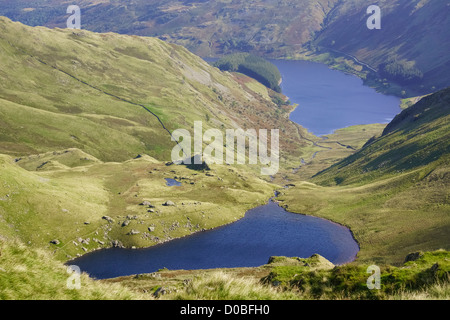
(132, 194)
(425, 276)
(34, 274)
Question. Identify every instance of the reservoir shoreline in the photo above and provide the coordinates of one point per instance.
(277, 219)
(297, 103)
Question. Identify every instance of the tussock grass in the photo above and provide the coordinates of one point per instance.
(222, 286)
(34, 274)
(314, 278)
(438, 291)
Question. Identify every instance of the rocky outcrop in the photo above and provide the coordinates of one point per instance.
(109, 219)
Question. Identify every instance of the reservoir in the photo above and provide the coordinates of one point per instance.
(329, 99)
(265, 231)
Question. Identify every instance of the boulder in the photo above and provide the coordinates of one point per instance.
(55, 241)
(168, 203)
(117, 244)
(107, 218)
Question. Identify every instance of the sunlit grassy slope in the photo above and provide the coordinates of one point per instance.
(85, 143)
(115, 96)
(34, 274)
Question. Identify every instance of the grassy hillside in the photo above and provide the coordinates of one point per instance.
(393, 193)
(86, 122)
(116, 96)
(413, 33)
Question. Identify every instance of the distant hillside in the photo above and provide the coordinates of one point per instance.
(413, 33)
(204, 27)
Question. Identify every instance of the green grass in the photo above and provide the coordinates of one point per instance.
(222, 286)
(291, 278)
(34, 274)
(63, 89)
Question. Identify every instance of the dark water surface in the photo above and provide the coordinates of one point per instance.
(329, 99)
(264, 232)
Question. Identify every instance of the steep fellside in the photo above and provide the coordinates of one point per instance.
(414, 34)
(417, 138)
(115, 96)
